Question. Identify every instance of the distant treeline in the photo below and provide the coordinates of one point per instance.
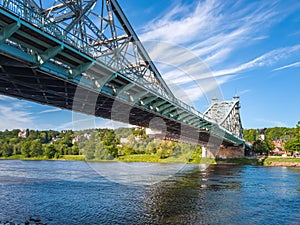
(262, 139)
(107, 144)
(98, 144)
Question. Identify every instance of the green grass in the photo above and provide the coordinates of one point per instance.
(240, 161)
(172, 159)
(268, 161)
(22, 157)
(202, 161)
(72, 157)
(282, 160)
(62, 157)
(156, 159)
(138, 158)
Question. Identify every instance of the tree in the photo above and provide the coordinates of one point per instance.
(293, 144)
(7, 150)
(16, 144)
(262, 146)
(33, 134)
(50, 151)
(25, 148)
(151, 148)
(36, 148)
(110, 143)
(89, 149)
(102, 153)
(75, 149)
(165, 149)
(251, 135)
(44, 137)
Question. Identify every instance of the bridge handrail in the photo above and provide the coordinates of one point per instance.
(28, 14)
(45, 24)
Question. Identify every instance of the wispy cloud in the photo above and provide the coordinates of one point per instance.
(240, 93)
(272, 123)
(210, 27)
(50, 110)
(215, 32)
(267, 59)
(18, 114)
(296, 64)
(13, 118)
(5, 98)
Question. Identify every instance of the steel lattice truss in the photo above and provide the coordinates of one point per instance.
(99, 29)
(227, 115)
(50, 50)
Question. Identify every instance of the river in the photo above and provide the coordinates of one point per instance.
(76, 192)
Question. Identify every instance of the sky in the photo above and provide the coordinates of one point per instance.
(206, 48)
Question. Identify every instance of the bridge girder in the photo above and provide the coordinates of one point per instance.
(227, 115)
(98, 52)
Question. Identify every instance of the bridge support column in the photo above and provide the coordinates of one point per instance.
(209, 152)
(231, 152)
(203, 152)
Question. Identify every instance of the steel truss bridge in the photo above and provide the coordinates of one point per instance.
(84, 55)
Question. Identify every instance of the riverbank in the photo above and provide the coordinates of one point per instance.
(262, 161)
(287, 162)
(157, 159)
(39, 158)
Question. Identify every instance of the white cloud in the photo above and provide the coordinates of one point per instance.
(272, 123)
(296, 64)
(267, 59)
(18, 114)
(5, 98)
(51, 110)
(210, 26)
(214, 32)
(13, 118)
(240, 93)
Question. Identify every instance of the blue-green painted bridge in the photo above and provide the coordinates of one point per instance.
(85, 56)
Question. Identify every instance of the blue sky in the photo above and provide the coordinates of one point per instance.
(249, 48)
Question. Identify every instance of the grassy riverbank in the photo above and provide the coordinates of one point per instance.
(240, 161)
(290, 162)
(268, 161)
(63, 157)
(156, 159)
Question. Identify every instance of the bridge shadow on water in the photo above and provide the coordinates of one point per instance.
(193, 196)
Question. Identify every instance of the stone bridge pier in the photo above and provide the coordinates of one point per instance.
(223, 152)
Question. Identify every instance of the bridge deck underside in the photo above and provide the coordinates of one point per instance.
(20, 81)
(24, 76)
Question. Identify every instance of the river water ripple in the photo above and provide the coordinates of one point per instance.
(76, 192)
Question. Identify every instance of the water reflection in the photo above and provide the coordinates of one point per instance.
(171, 201)
(73, 193)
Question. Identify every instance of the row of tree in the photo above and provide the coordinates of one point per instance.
(262, 139)
(103, 144)
(293, 144)
(37, 143)
(99, 144)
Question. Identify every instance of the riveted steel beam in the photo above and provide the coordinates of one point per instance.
(135, 98)
(8, 31)
(183, 116)
(158, 104)
(125, 88)
(148, 100)
(100, 83)
(75, 72)
(193, 118)
(167, 105)
(168, 110)
(48, 54)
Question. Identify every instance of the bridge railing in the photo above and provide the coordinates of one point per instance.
(38, 20)
(24, 12)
